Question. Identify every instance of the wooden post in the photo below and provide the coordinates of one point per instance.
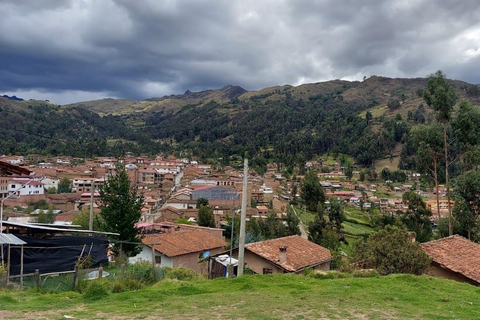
(21, 267)
(8, 264)
(37, 279)
(230, 271)
(75, 278)
(122, 269)
(153, 263)
(100, 272)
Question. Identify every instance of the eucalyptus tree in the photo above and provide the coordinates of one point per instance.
(466, 130)
(429, 145)
(441, 96)
(467, 203)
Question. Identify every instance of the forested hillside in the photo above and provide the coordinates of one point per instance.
(40, 127)
(288, 125)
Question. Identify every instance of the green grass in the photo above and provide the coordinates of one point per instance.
(330, 160)
(357, 215)
(384, 195)
(261, 297)
(305, 216)
(356, 229)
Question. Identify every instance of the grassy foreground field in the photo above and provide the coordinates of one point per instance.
(261, 297)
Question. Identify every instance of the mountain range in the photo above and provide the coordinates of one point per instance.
(366, 120)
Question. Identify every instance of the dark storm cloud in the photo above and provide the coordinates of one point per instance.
(138, 49)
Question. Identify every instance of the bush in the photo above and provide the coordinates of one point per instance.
(365, 273)
(97, 289)
(123, 284)
(180, 273)
(2, 275)
(391, 250)
(141, 271)
(329, 275)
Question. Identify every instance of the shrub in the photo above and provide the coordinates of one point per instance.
(141, 271)
(2, 274)
(118, 286)
(123, 284)
(365, 273)
(329, 275)
(391, 250)
(180, 273)
(97, 289)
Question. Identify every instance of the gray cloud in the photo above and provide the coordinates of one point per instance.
(139, 49)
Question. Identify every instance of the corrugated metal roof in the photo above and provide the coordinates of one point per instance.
(7, 238)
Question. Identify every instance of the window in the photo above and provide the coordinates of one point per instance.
(267, 271)
(158, 259)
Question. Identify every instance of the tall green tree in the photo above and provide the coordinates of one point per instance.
(429, 145)
(417, 217)
(335, 215)
(82, 219)
(312, 191)
(292, 223)
(202, 202)
(205, 217)
(467, 133)
(317, 227)
(467, 203)
(442, 97)
(64, 186)
(45, 216)
(121, 208)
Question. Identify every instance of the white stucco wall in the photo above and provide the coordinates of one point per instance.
(146, 255)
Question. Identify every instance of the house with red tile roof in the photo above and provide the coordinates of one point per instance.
(291, 254)
(454, 257)
(185, 249)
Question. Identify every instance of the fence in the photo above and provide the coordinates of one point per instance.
(57, 281)
(70, 280)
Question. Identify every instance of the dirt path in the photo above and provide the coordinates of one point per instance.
(304, 234)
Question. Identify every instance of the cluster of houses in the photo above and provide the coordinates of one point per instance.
(171, 188)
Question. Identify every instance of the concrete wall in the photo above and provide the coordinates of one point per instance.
(257, 264)
(146, 255)
(437, 271)
(169, 215)
(191, 261)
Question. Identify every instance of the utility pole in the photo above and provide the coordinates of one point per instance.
(92, 191)
(243, 218)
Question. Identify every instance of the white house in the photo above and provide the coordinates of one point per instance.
(187, 249)
(49, 183)
(25, 187)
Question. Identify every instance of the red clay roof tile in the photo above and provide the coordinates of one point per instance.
(183, 242)
(301, 253)
(457, 254)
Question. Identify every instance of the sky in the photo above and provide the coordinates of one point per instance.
(77, 50)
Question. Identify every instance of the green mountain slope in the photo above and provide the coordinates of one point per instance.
(40, 127)
(285, 124)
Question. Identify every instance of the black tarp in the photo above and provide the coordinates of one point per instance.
(57, 254)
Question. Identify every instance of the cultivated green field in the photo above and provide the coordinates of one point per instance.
(261, 297)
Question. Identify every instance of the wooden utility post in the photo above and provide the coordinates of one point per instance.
(154, 269)
(37, 278)
(92, 191)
